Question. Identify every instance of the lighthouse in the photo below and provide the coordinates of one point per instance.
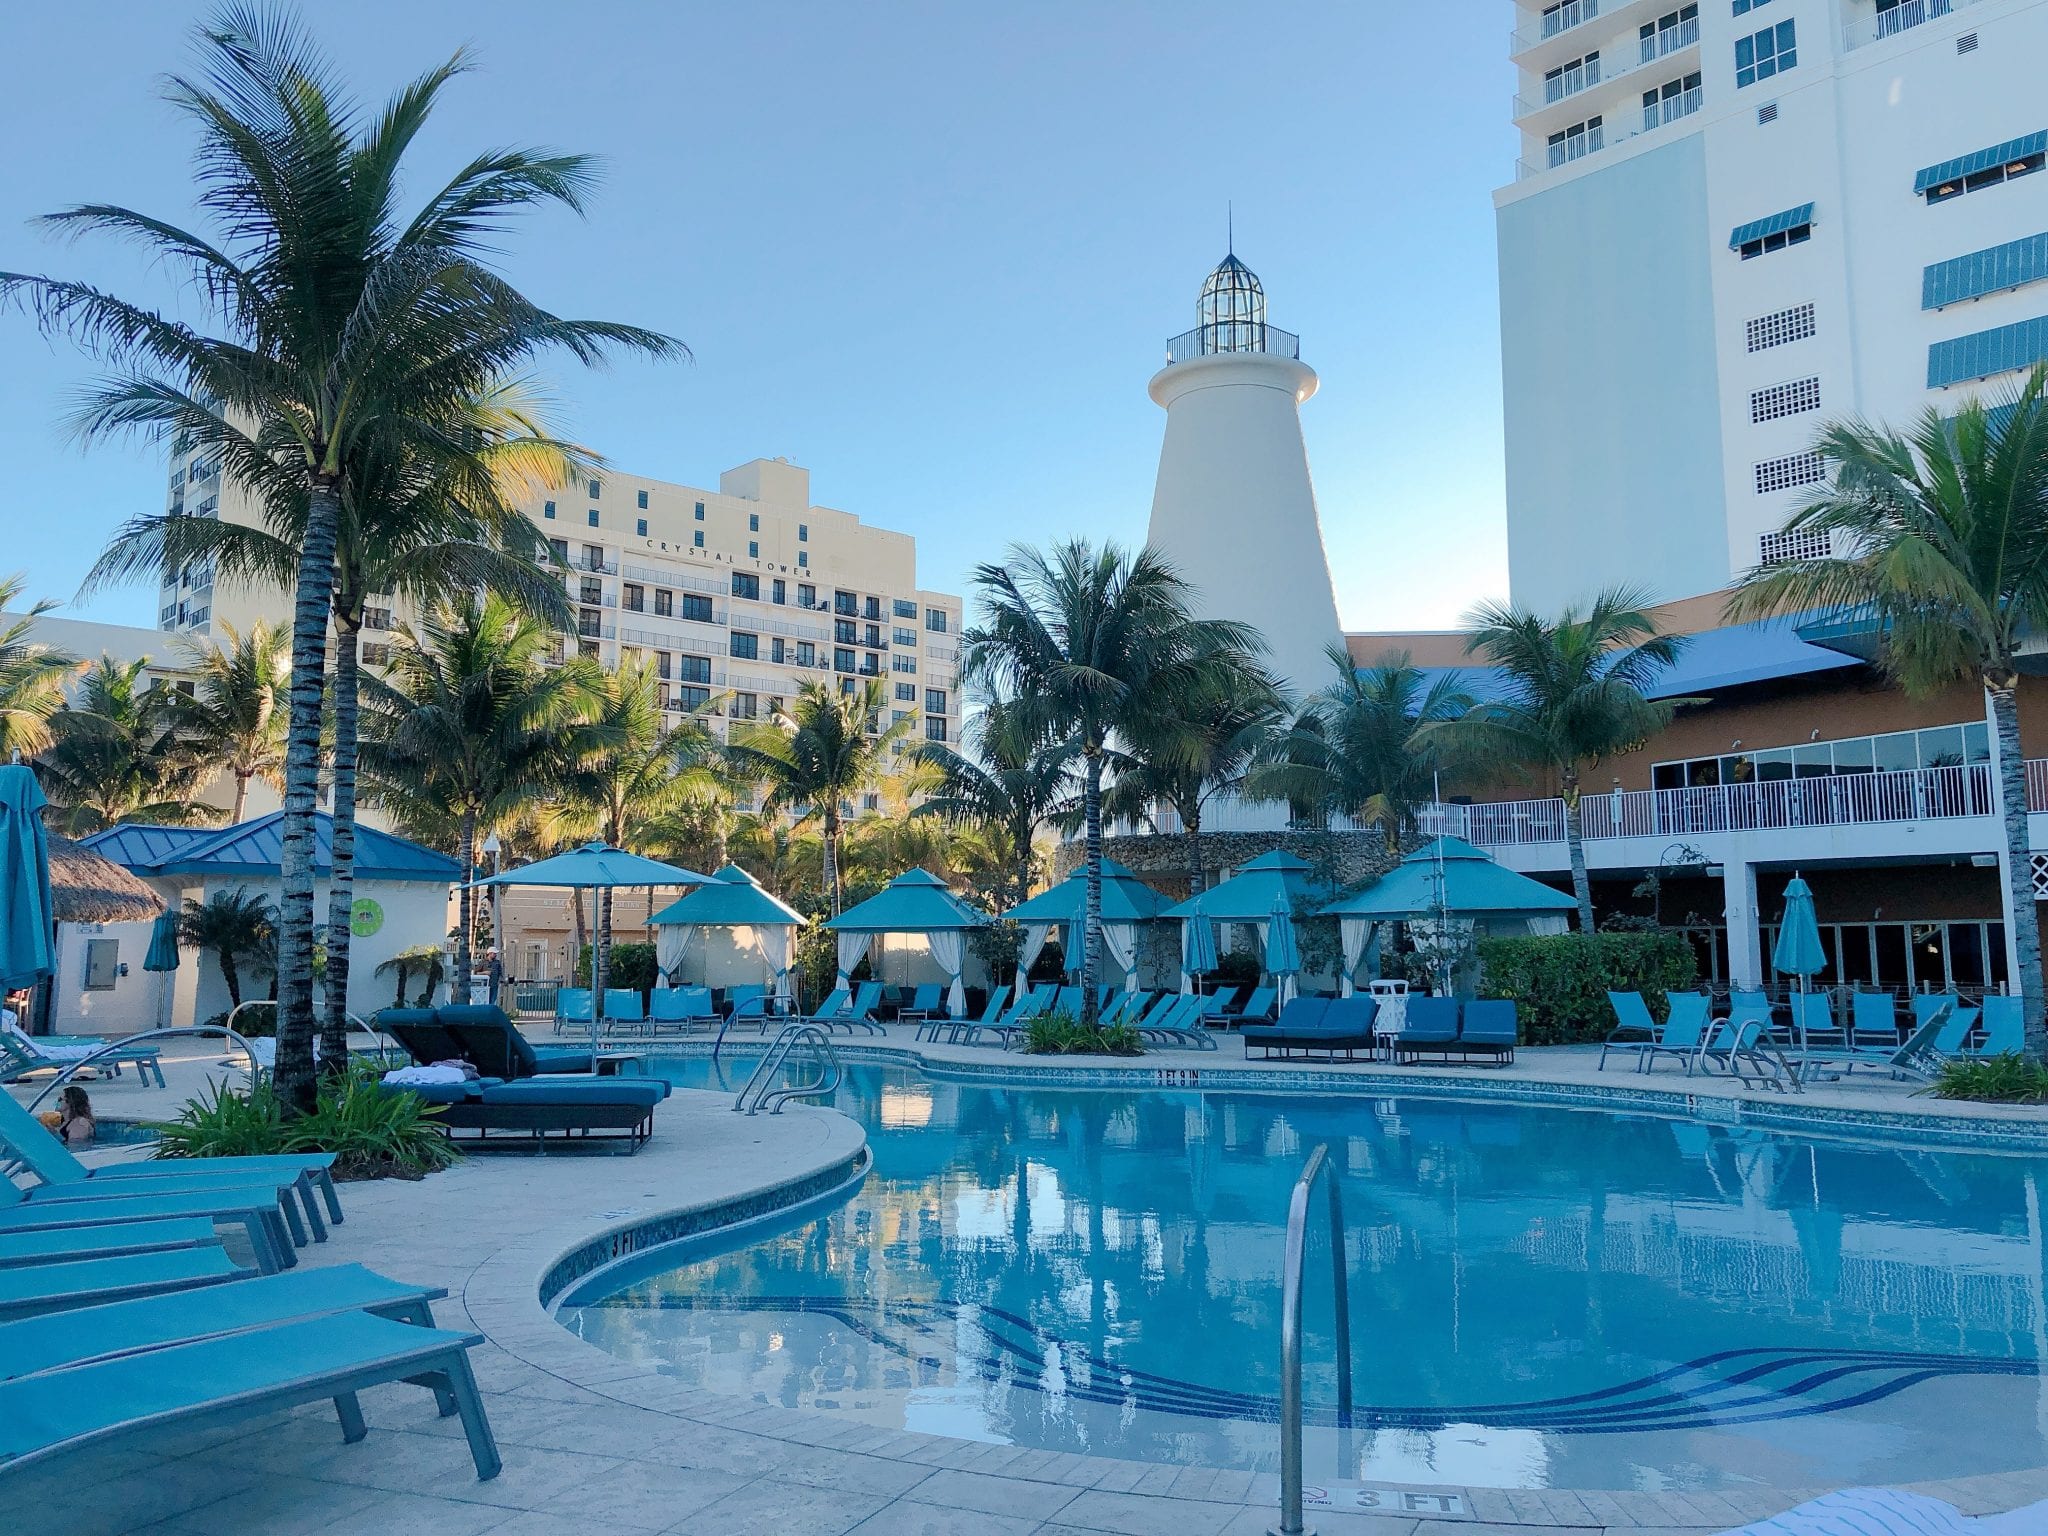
(1233, 509)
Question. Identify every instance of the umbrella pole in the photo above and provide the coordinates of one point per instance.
(597, 976)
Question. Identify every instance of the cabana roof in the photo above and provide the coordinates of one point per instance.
(733, 899)
(87, 888)
(597, 866)
(255, 849)
(1249, 895)
(1472, 884)
(916, 901)
(1125, 899)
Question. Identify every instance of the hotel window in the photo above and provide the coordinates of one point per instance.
(1794, 469)
(1744, 7)
(376, 654)
(692, 698)
(376, 618)
(902, 663)
(1570, 79)
(806, 654)
(745, 584)
(547, 510)
(842, 659)
(845, 631)
(1776, 240)
(640, 526)
(642, 495)
(694, 669)
(872, 607)
(1782, 400)
(903, 637)
(697, 608)
(1942, 746)
(560, 549)
(700, 511)
(1987, 168)
(935, 728)
(935, 620)
(776, 651)
(935, 701)
(1789, 547)
(664, 603)
(906, 693)
(664, 665)
(634, 598)
(753, 522)
(753, 549)
(778, 591)
(746, 706)
(1764, 54)
(1575, 142)
(593, 517)
(1671, 101)
(587, 648)
(871, 637)
(745, 646)
(1669, 33)
(803, 533)
(593, 557)
(1776, 330)
(806, 595)
(593, 591)
(1567, 13)
(595, 488)
(847, 603)
(905, 608)
(803, 559)
(870, 666)
(663, 694)
(697, 538)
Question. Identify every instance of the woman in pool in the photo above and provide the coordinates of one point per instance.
(76, 1126)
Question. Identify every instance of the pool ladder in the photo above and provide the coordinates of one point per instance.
(761, 1092)
(1295, 1260)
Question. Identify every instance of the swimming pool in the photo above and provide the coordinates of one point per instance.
(1541, 1297)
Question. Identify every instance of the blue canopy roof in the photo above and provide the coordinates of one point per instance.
(256, 848)
(1249, 895)
(1125, 899)
(1744, 653)
(597, 866)
(733, 899)
(916, 901)
(1472, 883)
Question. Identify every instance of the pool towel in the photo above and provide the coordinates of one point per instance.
(1888, 1512)
(425, 1077)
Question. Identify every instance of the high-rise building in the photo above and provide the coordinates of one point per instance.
(1731, 221)
(747, 591)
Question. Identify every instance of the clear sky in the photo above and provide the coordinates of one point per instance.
(930, 251)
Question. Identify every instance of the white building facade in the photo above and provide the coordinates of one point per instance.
(1731, 221)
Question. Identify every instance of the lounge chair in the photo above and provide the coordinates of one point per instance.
(572, 1006)
(1035, 1004)
(22, 1053)
(686, 1006)
(254, 1208)
(1814, 1023)
(1916, 1057)
(1312, 1025)
(233, 1377)
(1216, 1006)
(860, 1013)
(17, 1248)
(1740, 1045)
(624, 1011)
(838, 1004)
(1490, 1028)
(1257, 1008)
(1953, 1038)
(519, 1115)
(1431, 1029)
(1637, 1031)
(1183, 1024)
(488, 1040)
(1874, 1021)
(1752, 1005)
(1924, 1003)
(38, 1288)
(964, 1031)
(2005, 1029)
(923, 1004)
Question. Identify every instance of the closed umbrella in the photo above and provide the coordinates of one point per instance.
(163, 943)
(1798, 951)
(1283, 954)
(28, 939)
(1197, 949)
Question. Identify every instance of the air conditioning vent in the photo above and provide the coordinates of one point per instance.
(1767, 113)
(1967, 43)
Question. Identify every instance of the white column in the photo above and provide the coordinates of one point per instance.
(1738, 902)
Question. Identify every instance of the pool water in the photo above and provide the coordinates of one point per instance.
(1541, 1297)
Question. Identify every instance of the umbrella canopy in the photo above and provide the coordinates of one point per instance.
(28, 945)
(731, 899)
(1472, 885)
(86, 887)
(1248, 896)
(163, 943)
(916, 901)
(1125, 899)
(1197, 947)
(1798, 951)
(1283, 953)
(595, 866)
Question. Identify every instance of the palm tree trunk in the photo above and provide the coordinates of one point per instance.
(1091, 920)
(601, 959)
(831, 842)
(2019, 865)
(233, 978)
(241, 797)
(341, 879)
(582, 930)
(1575, 842)
(1191, 835)
(294, 1072)
(465, 909)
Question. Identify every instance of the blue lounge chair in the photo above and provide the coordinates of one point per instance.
(1635, 1028)
(1874, 1021)
(1490, 1028)
(254, 1208)
(966, 1031)
(1924, 1003)
(923, 1004)
(1813, 1021)
(488, 1040)
(233, 1377)
(47, 1343)
(1311, 1026)
(2005, 1028)
(1752, 1005)
(1300, 1015)
(572, 1006)
(309, 1173)
(1011, 1026)
(22, 1053)
(1916, 1057)
(1678, 1036)
(1217, 1005)
(860, 1014)
(38, 1288)
(1184, 1024)
(17, 1248)
(1953, 1038)
(624, 1012)
(686, 1006)
(1431, 1029)
(837, 1003)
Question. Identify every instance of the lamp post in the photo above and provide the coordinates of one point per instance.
(496, 850)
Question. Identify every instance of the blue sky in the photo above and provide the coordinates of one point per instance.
(930, 251)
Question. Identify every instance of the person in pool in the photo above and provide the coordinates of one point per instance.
(76, 1126)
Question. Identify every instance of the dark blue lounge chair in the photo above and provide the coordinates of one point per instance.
(1490, 1028)
(1431, 1029)
(519, 1115)
(1342, 1024)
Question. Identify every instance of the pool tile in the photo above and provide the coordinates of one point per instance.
(992, 1495)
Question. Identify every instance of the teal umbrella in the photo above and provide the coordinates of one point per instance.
(28, 938)
(1197, 946)
(163, 943)
(1798, 951)
(1283, 953)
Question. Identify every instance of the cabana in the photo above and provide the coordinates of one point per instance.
(1126, 902)
(1446, 880)
(915, 902)
(757, 929)
(1249, 896)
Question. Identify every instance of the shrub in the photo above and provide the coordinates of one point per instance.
(373, 1131)
(222, 1122)
(632, 965)
(1559, 984)
(1061, 1034)
(2007, 1079)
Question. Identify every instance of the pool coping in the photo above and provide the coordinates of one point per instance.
(505, 1299)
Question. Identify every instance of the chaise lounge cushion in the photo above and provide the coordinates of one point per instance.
(486, 1036)
(646, 1091)
(421, 1033)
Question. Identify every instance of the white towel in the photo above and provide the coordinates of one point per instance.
(1888, 1512)
(424, 1077)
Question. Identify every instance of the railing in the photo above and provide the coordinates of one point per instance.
(595, 563)
(1912, 794)
(760, 1085)
(1570, 84)
(1563, 153)
(72, 1069)
(1256, 337)
(1292, 1264)
(1669, 40)
(1567, 16)
(1671, 108)
(1902, 17)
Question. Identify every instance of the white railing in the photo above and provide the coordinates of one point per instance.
(1571, 14)
(671, 577)
(1572, 83)
(1668, 40)
(1902, 17)
(1577, 147)
(1670, 109)
(1916, 794)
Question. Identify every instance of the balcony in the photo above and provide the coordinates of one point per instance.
(1269, 339)
(1566, 18)
(599, 564)
(1903, 17)
(1671, 108)
(1557, 156)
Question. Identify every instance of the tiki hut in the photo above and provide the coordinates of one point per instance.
(86, 888)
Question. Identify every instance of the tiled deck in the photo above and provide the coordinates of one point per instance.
(593, 1443)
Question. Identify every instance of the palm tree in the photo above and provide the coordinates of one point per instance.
(1081, 639)
(346, 322)
(1575, 695)
(469, 727)
(429, 961)
(1371, 744)
(32, 677)
(231, 716)
(1009, 784)
(1943, 533)
(233, 926)
(816, 756)
(119, 753)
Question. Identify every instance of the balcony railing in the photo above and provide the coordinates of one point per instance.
(1669, 40)
(1839, 800)
(1571, 14)
(1257, 337)
(1670, 109)
(1564, 152)
(1902, 17)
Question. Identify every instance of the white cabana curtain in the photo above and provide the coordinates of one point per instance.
(1035, 937)
(851, 947)
(949, 950)
(1357, 936)
(1121, 940)
(1548, 925)
(671, 943)
(778, 942)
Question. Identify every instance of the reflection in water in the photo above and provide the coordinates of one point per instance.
(1541, 1297)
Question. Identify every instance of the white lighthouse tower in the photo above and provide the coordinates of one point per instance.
(1234, 509)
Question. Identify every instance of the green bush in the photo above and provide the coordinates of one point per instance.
(632, 965)
(258, 1021)
(2007, 1079)
(373, 1131)
(1560, 984)
(1061, 1034)
(223, 1122)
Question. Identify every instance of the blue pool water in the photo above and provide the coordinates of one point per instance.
(1541, 1296)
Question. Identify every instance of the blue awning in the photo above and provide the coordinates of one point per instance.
(255, 848)
(1776, 224)
(1761, 652)
(1982, 160)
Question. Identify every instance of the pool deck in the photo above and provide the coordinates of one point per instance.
(595, 1443)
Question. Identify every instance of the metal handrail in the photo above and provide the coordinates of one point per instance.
(122, 1044)
(760, 1084)
(1290, 1332)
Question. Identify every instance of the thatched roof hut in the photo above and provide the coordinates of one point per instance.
(85, 888)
